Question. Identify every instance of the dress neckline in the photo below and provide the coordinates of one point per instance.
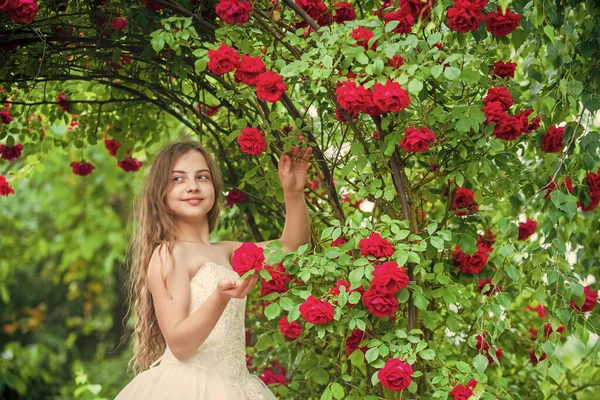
(207, 263)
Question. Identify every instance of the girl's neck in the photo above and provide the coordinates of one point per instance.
(193, 232)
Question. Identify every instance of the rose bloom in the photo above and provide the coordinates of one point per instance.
(499, 94)
(130, 164)
(234, 11)
(353, 99)
(493, 289)
(278, 282)
(362, 36)
(592, 181)
(223, 60)
(591, 299)
(249, 70)
(464, 201)
(541, 311)
(551, 186)
(343, 12)
(376, 246)
(389, 278)
(269, 377)
(404, 17)
(390, 97)
(487, 240)
(502, 24)
(529, 127)
(552, 142)
(246, 257)
(463, 19)
(378, 304)
(5, 188)
(112, 146)
(534, 359)
(504, 69)
(316, 311)
(395, 375)
(463, 392)
(353, 341)
(235, 196)
(252, 141)
(6, 117)
(417, 8)
(270, 86)
(397, 61)
(82, 168)
(494, 112)
(471, 264)
(548, 329)
(508, 127)
(527, 229)
(290, 330)
(10, 153)
(417, 140)
(22, 11)
(63, 102)
(120, 23)
(338, 242)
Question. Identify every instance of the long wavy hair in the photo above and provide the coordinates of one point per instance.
(154, 224)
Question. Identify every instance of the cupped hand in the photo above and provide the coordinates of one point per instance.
(292, 169)
(236, 289)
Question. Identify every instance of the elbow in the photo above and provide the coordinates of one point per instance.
(182, 352)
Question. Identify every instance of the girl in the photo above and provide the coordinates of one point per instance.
(190, 304)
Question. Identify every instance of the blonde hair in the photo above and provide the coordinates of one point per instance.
(154, 225)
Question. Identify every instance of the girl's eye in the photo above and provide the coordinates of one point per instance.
(175, 179)
(206, 176)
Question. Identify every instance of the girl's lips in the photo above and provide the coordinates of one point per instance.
(193, 202)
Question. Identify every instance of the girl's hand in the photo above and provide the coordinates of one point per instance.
(292, 169)
(236, 289)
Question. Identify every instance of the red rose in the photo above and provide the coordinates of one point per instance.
(152, 6)
(388, 278)
(270, 86)
(252, 141)
(6, 5)
(552, 142)
(461, 392)
(362, 37)
(548, 329)
(353, 99)
(353, 341)
(541, 311)
(223, 60)
(591, 299)
(269, 377)
(82, 168)
(22, 11)
(6, 117)
(10, 153)
(120, 23)
(397, 61)
(249, 70)
(112, 146)
(528, 127)
(504, 69)
(316, 311)
(404, 17)
(417, 140)
(417, 8)
(508, 127)
(493, 289)
(338, 242)
(379, 304)
(5, 188)
(494, 112)
(246, 257)
(390, 97)
(234, 11)
(552, 186)
(290, 330)
(343, 12)
(592, 181)
(463, 19)
(499, 94)
(534, 359)
(464, 201)
(376, 246)
(502, 24)
(63, 102)
(235, 196)
(317, 10)
(527, 229)
(395, 375)
(488, 239)
(130, 164)
(471, 264)
(278, 282)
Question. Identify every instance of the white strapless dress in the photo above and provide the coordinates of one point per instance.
(217, 371)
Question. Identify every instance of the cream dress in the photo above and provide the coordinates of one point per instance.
(217, 371)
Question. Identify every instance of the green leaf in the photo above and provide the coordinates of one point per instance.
(427, 354)
(480, 362)
(436, 70)
(467, 243)
(513, 273)
(272, 311)
(357, 358)
(337, 390)
(437, 242)
(415, 86)
(452, 73)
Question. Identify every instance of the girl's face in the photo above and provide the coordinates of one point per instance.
(190, 193)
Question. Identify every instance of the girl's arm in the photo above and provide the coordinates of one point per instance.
(185, 334)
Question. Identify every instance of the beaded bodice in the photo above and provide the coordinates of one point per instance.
(224, 349)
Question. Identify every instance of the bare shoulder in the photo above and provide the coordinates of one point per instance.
(164, 265)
